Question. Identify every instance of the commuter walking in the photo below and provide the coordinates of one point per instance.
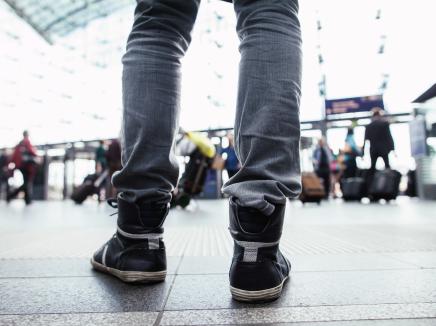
(231, 164)
(100, 158)
(24, 159)
(201, 152)
(379, 136)
(267, 134)
(350, 152)
(335, 172)
(4, 174)
(113, 159)
(322, 159)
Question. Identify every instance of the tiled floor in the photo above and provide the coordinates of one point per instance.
(353, 264)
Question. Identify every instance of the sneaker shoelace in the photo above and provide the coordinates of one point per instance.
(112, 202)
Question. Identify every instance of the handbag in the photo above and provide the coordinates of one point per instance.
(218, 163)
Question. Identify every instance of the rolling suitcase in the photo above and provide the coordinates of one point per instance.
(411, 190)
(385, 185)
(84, 190)
(193, 178)
(90, 186)
(192, 181)
(312, 188)
(353, 189)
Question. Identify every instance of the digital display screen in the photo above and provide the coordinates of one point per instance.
(354, 104)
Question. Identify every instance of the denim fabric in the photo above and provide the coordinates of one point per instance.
(267, 128)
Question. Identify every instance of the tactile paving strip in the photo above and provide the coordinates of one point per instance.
(216, 241)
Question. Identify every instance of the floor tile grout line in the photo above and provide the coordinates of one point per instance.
(333, 321)
(330, 271)
(221, 309)
(417, 268)
(78, 313)
(160, 313)
(374, 252)
(402, 260)
(305, 306)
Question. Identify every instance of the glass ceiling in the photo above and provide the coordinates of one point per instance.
(54, 19)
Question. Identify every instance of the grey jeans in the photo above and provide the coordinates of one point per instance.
(267, 127)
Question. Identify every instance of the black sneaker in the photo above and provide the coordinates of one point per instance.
(136, 252)
(259, 270)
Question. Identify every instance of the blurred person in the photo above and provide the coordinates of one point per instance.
(336, 173)
(201, 152)
(381, 143)
(231, 164)
(4, 173)
(113, 160)
(322, 159)
(202, 143)
(350, 153)
(100, 158)
(24, 158)
(267, 142)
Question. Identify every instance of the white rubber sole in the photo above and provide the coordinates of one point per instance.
(131, 276)
(257, 296)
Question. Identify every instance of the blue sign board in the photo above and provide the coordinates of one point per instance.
(354, 104)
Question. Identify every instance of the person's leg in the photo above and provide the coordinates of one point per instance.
(267, 127)
(325, 179)
(327, 183)
(151, 93)
(353, 169)
(267, 133)
(385, 158)
(7, 187)
(4, 190)
(347, 172)
(374, 156)
(27, 185)
(15, 192)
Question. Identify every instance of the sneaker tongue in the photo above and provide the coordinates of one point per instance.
(252, 220)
